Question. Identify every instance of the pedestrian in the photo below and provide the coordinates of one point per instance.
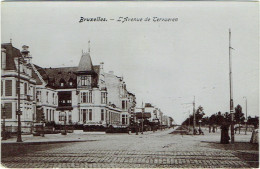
(209, 128)
(224, 134)
(213, 129)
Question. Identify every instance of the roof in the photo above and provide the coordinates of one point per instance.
(148, 105)
(54, 76)
(85, 63)
(11, 53)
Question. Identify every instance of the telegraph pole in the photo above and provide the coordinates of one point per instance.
(194, 118)
(19, 137)
(231, 91)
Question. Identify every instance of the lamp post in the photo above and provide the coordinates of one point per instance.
(4, 134)
(231, 91)
(246, 114)
(19, 113)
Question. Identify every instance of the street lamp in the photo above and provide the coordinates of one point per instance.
(231, 91)
(246, 114)
(19, 113)
(4, 133)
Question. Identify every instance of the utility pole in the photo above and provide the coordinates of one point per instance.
(19, 137)
(194, 118)
(231, 91)
(246, 114)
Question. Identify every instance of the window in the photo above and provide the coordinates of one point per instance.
(38, 96)
(61, 116)
(85, 81)
(62, 82)
(50, 116)
(8, 87)
(123, 105)
(90, 114)
(90, 97)
(8, 111)
(102, 114)
(25, 88)
(56, 98)
(71, 82)
(53, 115)
(47, 113)
(86, 97)
(123, 119)
(103, 98)
(47, 97)
(53, 98)
(3, 61)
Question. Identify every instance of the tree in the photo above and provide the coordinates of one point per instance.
(239, 116)
(199, 114)
(219, 118)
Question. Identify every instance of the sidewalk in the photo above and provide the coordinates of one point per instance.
(50, 138)
(77, 136)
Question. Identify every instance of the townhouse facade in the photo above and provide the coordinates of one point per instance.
(9, 88)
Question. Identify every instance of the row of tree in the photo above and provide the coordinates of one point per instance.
(220, 118)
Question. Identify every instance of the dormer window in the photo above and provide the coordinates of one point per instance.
(71, 82)
(85, 81)
(62, 83)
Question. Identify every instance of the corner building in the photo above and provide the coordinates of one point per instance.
(78, 94)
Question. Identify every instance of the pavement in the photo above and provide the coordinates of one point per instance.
(151, 150)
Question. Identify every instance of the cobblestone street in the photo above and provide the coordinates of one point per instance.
(159, 149)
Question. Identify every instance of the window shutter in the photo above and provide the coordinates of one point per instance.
(8, 87)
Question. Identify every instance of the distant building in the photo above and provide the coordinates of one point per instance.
(119, 96)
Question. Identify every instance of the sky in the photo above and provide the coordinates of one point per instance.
(163, 63)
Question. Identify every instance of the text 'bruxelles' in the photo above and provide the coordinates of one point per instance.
(128, 19)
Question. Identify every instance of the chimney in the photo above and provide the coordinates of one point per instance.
(25, 52)
(101, 65)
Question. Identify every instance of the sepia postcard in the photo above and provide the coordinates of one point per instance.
(140, 84)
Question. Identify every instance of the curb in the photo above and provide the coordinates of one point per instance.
(42, 142)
